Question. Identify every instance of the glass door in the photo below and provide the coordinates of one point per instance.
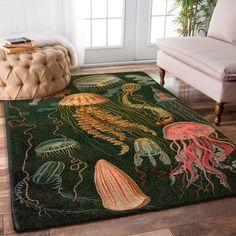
(109, 30)
(125, 30)
(156, 19)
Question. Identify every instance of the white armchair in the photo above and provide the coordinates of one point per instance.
(206, 63)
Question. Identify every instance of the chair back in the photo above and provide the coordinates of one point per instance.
(223, 21)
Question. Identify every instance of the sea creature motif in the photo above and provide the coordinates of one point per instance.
(145, 147)
(234, 163)
(163, 117)
(98, 116)
(49, 172)
(117, 190)
(174, 105)
(95, 82)
(63, 147)
(59, 147)
(199, 149)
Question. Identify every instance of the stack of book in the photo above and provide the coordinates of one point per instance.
(18, 45)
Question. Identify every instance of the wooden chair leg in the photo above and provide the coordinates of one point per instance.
(162, 73)
(218, 112)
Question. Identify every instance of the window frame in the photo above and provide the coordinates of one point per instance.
(107, 18)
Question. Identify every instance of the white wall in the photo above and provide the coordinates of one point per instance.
(61, 16)
(31, 15)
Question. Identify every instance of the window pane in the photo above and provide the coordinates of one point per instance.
(99, 8)
(158, 7)
(98, 33)
(87, 27)
(115, 32)
(157, 28)
(87, 8)
(115, 8)
(171, 27)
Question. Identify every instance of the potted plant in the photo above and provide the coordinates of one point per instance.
(194, 16)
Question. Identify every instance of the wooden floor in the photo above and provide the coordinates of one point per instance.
(216, 218)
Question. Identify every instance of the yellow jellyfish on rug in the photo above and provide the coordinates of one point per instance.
(117, 190)
(98, 116)
(163, 116)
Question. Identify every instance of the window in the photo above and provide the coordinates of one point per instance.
(104, 23)
(162, 19)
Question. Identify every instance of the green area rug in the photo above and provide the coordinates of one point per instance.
(108, 146)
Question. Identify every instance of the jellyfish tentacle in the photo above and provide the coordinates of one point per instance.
(200, 165)
(215, 136)
(84, 125)
(226, 146)
(115, 120)
(81, 179)
(189, 163)
(56, 122)
(179, 152)
(119, 121)
(28, 132)
(178, 170)
(142, 175)
(138, 160)
(207, 155)
(101, 126)
(152, 159)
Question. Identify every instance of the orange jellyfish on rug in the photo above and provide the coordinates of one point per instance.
(198, 148)
(117, 190)
(100, 117)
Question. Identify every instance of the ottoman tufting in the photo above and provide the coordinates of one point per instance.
(34, 75)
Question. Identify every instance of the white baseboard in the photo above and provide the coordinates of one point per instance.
(119, 63)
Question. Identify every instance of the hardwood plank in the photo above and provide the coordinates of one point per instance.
(15, 234)
(1, 225)
(9, 231)
(229, 222)
(3, 163)
(3, 153)
(2, 113)
(4, 175)
(4, 183)
(40, 233)
(162, 232)
(5, 205)
(155, 220)
(4, 190)
(202, 229)
(8, 226)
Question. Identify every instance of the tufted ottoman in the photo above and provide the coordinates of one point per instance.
(33, 75)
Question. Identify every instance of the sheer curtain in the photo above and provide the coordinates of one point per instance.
(73, 25)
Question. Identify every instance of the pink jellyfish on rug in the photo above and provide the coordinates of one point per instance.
(198, 148)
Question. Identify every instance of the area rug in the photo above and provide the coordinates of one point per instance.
(108, 146)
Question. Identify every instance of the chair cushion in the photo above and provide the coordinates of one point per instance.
(213, 57)
(223, 22)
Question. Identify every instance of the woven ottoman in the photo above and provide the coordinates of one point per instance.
(34, 75)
